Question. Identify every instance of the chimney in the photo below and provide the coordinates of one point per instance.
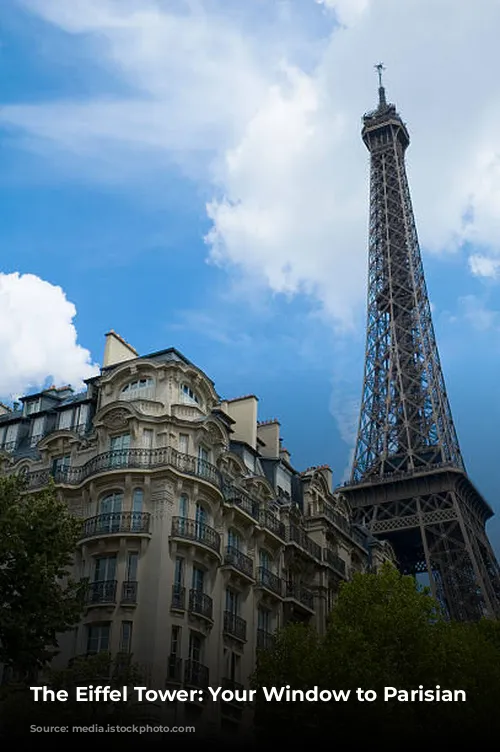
(268, 431)
(116, 350)
(243, 410)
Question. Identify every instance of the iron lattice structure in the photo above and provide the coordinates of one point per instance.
(409, 483)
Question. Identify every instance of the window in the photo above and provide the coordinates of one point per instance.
(65, 420)
(32, 407)
(200, 522)
(232, 602)
(198, 582)
(37, 429)
(126, 637)
(82, 417)
(147, 438)
(11, 436)
(203, 463)
(139, 389)
(110, 513)
(175, 641)
(105, 568)
(234, 666)
(183, 443)
(188, 395)
(98, 638)
(119, 446)
(233, 540)
(132, 561)
(60, 465)
(264, 620)
(195, 647)
(264, 559)
(183, 514)
(179, 572)
(137, 504)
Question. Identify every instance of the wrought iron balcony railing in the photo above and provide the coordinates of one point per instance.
(200, 604)
(116, 522)
(147, 459)
(129, 591)
(196, 674)
(268, 521)
(301, 594)
(246, 503)
(334, 560)
(101, 592)
(174, 669)
(178, 598)
(270, 581)
(265, 639)
(301, 539)
(196, 531)
(235, 626)
(234, 686)
(233, 557)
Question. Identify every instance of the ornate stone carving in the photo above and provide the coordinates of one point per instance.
(117, 418)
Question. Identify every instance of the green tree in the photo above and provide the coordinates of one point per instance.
(385, 631)
(38, 600)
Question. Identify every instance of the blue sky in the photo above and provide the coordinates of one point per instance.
(191, 174)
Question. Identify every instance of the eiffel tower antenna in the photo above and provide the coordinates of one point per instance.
(409, 481)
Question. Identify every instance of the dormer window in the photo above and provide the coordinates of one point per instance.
(188, 396)
(139, 389)
(32, 407)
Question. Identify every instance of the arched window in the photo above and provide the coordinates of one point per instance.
(189, 397)
(110, 512)
(139, 389)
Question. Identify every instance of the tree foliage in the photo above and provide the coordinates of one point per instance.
(38, 600)
(385, 631)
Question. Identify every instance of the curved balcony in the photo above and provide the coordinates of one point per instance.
(196, 532)
(303, 542)
(128, 459)
(235, 559)
(116, 523)
(101, 593)
(200, 604)
(335, 562)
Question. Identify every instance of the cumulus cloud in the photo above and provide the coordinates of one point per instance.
(267, 107)
(484, 266)
(38, 340)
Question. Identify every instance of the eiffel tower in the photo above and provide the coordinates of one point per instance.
(409, 484)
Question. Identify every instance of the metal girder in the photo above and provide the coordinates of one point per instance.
(408, 481)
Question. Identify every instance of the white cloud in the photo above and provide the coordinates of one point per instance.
(478, 315)
(484, 266)
(213, 87)
(38, 339)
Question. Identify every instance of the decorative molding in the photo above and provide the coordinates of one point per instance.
(116, 418)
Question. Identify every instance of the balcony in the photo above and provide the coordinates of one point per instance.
(129, 592)
(116, 523)
(174, 670)
(200, 604)
(196, 675)
(235, 626)
(265, 639)
(270, 522)
(178, 598)
(335, 562)
(300, 594)
(101, 593)
(239, 561)
(196, 532)
(128, 459)
(246, 504)
(270, 581)
(299, 538)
